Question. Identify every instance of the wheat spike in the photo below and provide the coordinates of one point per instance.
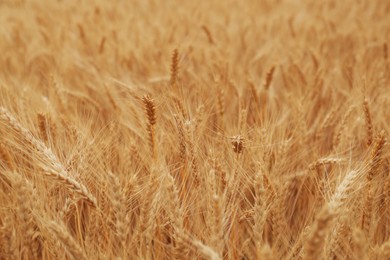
(368, 120)
(208, 34)
(376, 153)
(71, 246)
(52, 166)
(6, 158)
(174, 68)
(374, 164)
(314, 245)
(269, 77)
(150, 111)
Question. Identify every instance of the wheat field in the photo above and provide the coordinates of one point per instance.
(194, 129)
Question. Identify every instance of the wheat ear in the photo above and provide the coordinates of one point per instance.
(150, 110)
(8, 237)
(175, 214)
(337, 137)
(70, 245)
(24, 212)
(208, 34)
(6, 157)
(182, 140)
(385, 250)
(259, 213)
(216, 225)
(174, 68)
(368, 120)
(315, 242)
(52, 167)
(269, 77)
(374, 164)
(205, 250)
(313, 248)
(46, 127)
(119, 211)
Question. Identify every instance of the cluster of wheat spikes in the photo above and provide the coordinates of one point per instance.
(194, 129)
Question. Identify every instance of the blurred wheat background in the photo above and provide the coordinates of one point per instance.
(194, 129)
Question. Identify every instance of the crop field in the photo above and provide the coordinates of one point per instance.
(202, 129)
